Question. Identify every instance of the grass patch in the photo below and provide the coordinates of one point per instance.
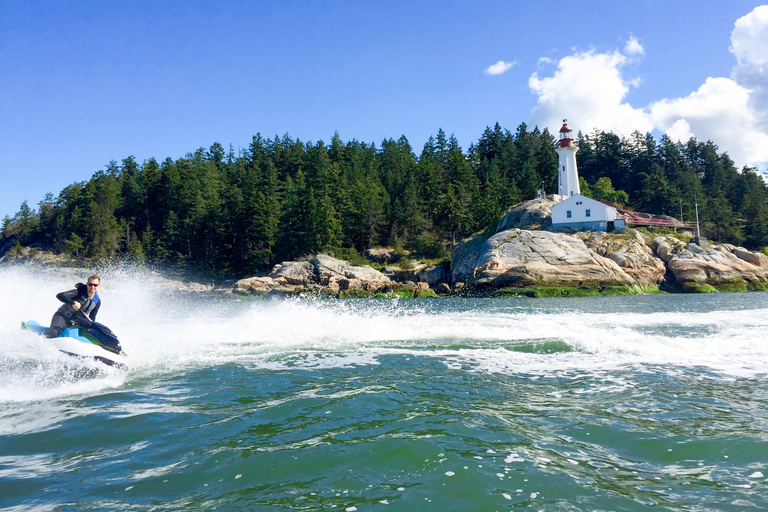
(695, 287)
(539, 292)
(661, 230)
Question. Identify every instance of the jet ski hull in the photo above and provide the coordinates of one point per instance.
(76, 341)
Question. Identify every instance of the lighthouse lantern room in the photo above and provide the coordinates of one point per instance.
(568, 174)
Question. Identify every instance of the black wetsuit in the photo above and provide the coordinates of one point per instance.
(67, 316)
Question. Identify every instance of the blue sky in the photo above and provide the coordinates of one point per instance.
(83, 83)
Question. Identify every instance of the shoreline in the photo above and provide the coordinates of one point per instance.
(176, 282)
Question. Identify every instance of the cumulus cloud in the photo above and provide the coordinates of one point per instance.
(750, 37)
(749, 40)
(499, 68)
(589, 87)
(732, 112)
(719, 111)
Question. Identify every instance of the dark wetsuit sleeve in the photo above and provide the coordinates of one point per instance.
(67, 297)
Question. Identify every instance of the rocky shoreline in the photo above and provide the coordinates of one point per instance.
(523, 257)
(520, 257)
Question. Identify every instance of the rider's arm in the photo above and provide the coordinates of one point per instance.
(67, 297)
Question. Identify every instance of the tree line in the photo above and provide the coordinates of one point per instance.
(236, 213)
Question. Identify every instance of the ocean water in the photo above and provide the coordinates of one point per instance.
(591, 404)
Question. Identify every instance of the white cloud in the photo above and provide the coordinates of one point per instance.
(680, 130)
(499, 68)
(731, 112)
(718, 111)
(749, 40)
(588, 87)
(750, 37)
(633, 47)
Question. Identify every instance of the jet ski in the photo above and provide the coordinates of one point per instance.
(95, 341)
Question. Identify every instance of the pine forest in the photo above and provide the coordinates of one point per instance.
(228, 213)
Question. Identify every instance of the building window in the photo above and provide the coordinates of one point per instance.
(588, 213)
(568, 214)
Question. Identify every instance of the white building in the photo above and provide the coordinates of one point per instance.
(579, 212)
(576, 212)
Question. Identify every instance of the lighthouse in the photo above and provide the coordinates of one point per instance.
(568, 175)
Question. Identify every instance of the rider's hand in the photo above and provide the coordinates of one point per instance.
(76, 305)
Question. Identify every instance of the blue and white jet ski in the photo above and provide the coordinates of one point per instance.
(95, 342)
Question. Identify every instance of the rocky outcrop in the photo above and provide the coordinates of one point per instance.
(404, 275)
(523, 258)
(294, 273)
(266, 284)
(519, 256)
(722, 266)
(630, 252)
(339, 275)
(434, 275)
(322, 272)
(464, 256)
(533, 214)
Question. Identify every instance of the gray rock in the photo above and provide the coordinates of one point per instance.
(464, 256)
(522, 257)
(721, 264)
(329, 270)
(533, 214)
(434, 275)
(630, 252)
(294, 272)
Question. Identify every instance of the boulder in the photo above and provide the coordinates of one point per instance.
(723, 265)
(533, 214)
(464, 256)
(260, 285)
(322, 272)
(294, 272)
(522, 258)
(407, 274)
(434, 275)
(756, 258)
(328, 269)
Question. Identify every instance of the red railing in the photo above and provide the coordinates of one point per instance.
(641, 220)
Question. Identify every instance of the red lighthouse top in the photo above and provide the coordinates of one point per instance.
(566, 138)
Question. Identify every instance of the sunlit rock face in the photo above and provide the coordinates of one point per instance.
(721, 265)
(630, 252)
(521, 258)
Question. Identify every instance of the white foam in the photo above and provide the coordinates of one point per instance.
(167, 333)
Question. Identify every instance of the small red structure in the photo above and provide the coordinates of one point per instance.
(566, 139)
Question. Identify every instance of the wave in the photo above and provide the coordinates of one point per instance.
(164, 332)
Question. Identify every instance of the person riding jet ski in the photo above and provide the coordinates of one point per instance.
(80, 307)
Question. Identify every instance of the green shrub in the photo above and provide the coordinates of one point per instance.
(428, 245)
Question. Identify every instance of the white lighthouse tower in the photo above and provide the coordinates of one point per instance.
(568, 175)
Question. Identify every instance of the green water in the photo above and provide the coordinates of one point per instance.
(618, 403)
